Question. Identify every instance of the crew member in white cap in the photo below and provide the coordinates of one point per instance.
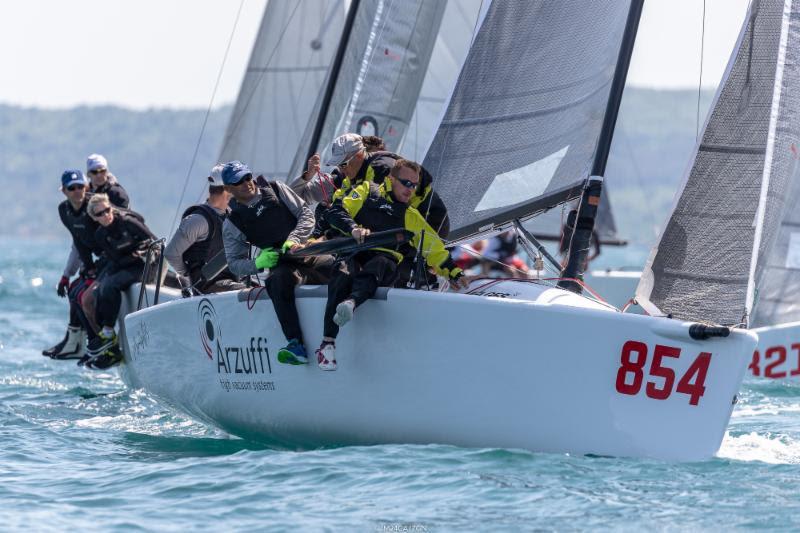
(198, 242)
(348, 154)
(103, 181)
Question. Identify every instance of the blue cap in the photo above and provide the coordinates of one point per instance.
(71, 177)
(234, 171)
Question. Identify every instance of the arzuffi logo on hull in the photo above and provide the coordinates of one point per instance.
(252, 358)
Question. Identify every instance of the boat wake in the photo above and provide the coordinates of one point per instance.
(767, 448)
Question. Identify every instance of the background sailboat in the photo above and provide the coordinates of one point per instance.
(743, 187)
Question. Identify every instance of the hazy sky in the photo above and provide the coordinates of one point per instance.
(167, 53)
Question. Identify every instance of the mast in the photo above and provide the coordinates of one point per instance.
(334, 74)
(590, 199)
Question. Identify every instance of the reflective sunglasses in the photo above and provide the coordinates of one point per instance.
(98, 171)
(102, 212)
(346, 161)
(408, 184)
(245, 179)
(75, 187)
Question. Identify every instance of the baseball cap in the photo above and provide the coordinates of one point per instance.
(95, 161)
(234, 171)
(215, 176)
(71, 177)
(343, 148)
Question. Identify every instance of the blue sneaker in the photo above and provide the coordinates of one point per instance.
(293, 354)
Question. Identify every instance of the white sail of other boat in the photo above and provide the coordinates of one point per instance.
(716, 246)
(284, 77)
(374, 88)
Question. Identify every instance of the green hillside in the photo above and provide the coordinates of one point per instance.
(150, 151)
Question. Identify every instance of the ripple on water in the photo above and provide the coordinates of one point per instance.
(79, 451)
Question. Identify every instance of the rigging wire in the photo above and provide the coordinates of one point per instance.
(234, 123)
(205, 119)
(700, 81)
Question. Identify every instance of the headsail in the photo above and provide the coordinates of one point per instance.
(523, 122)
(284, 77)
(713, 250)
(381, 74)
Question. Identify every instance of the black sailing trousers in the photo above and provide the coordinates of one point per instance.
(285, 277)
(364, 275)
(112, 282)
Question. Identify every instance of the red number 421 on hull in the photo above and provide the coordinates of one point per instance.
(631, 372)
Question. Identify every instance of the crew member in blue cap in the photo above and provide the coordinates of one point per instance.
(81, 227)
(275, 220)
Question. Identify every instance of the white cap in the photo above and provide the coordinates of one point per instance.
(343, 148)
(215, 176)
(96, 161)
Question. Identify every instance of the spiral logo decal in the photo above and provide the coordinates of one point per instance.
(208, 323)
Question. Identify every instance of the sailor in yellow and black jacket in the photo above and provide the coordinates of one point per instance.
(371, 207)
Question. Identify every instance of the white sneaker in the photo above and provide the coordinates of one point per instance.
(326, 357)
(344, 312)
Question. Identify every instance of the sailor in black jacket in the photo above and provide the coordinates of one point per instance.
(124, 238)
(81, 227)
(198, 242)
(103, 181)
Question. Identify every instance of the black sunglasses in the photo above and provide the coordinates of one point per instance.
(98, 214)
(408, 184)
(246, 178)
(97, 170)
(75, 187)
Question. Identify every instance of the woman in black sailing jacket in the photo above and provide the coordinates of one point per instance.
(124, 237)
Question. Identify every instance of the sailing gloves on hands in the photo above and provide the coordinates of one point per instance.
(268, 258)
(63, 286)
(288, 245)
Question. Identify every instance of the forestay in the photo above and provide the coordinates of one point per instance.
(523, 122)
(714, 249)
(381, 74)
(291, 56)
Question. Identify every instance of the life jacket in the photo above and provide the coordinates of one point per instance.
(201, 252)
(268, 222)
(82, 228)
(117, 194)
(122, 240)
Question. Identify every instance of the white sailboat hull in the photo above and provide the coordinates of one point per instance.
(420, 367)
(777, 355)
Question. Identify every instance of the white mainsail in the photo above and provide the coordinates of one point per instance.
(284, 78)
(379, 79)
(737, 185)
